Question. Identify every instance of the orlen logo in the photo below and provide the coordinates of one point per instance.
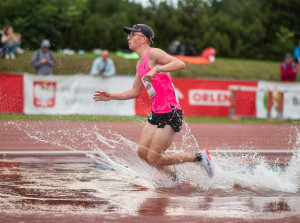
(44, 94)
(209, 97)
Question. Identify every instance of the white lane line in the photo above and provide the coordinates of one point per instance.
(273, 151)
(25, 153)
(28, 153)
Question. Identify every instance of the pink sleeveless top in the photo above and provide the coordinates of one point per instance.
(161, 90)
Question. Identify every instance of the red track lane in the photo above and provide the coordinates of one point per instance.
(211, 136)
(148, 218)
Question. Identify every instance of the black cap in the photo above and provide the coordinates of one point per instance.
(146, 30)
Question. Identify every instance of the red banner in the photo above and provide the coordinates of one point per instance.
(11, 93)
(198, 97)
(202, 97)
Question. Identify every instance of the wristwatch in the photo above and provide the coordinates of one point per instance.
(158, 68)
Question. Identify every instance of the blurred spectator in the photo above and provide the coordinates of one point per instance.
(19, 50)
(174, 47)
(190, 51)
(103, 66)
(210, 54)
(43, 60)
(1, 47)
(10, 42)
(288, 69)
(297, 53)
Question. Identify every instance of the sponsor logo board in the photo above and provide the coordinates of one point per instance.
(209, 97)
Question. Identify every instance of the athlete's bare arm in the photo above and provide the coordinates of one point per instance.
(134, 92)
(167, 62)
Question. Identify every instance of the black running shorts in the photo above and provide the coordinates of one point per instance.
(174, 119)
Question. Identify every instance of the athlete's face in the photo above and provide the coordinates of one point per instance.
(135, 39)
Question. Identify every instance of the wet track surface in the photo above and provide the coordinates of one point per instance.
(72, 189)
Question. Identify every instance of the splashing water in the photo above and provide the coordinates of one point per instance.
(108, 148)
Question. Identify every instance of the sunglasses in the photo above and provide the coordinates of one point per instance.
(131, 35)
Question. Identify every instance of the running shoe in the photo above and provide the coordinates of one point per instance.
(206, 162)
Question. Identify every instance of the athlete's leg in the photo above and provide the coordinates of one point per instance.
(159, 140)
(144, 146)
(162, 139)
(145, 140)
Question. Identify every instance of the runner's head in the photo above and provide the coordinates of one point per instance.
(139, 33)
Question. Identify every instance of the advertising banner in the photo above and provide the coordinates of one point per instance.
(203, 97)
(11, 93)
(74, 95)
(270, 93)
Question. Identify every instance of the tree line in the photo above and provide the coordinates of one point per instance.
(258, 29)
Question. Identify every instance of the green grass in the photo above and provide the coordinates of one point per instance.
(65, 64)
(101, 118)
(222, 68)
(85, 118)
(234, 68)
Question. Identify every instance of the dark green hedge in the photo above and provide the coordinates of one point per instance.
(260, 29)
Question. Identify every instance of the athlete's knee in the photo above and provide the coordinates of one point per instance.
(153, 159)
(142, 153)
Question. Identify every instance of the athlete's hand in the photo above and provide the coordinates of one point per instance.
(150, 75)
(102, 96)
